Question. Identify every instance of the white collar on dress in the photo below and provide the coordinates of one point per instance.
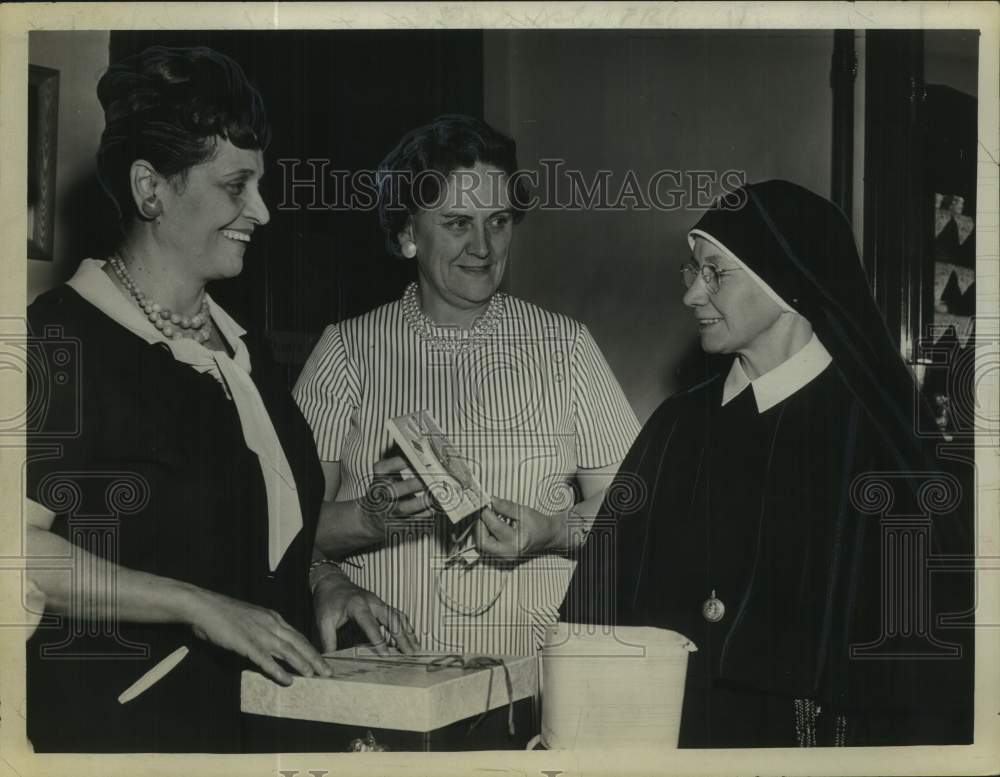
(778, 384)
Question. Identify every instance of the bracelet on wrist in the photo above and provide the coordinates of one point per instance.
(314, 578)
(577, 529)
(322, 562)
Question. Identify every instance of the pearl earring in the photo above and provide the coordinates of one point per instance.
(151, 208)
(409, 249)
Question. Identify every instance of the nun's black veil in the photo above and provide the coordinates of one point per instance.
(802, 246)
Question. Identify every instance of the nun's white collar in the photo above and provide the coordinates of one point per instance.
(778, 384)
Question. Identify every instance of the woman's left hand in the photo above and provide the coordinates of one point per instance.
(526, 532)
(336, 599)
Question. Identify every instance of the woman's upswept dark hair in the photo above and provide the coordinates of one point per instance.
(412, 173)
(169, 106)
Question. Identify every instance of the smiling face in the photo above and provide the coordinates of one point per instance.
(209, 217)
(740, 317)
(462, 244)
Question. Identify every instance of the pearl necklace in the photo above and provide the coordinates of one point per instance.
(173, 325)
(452, 338)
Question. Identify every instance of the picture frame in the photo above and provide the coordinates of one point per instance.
(43, 123)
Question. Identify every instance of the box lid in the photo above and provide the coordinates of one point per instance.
(408, 693)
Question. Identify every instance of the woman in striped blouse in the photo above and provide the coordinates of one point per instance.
(522, 392)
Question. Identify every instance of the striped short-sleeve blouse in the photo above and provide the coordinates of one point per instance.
(530, 404)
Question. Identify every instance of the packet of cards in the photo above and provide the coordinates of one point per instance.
(447, 474)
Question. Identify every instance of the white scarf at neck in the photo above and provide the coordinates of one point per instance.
(283, 510)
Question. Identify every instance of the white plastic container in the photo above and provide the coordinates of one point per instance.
(606, 688)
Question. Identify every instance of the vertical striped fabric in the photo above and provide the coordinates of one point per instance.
(528, 407)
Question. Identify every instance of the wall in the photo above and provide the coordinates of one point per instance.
(645, 101)
(634, 100)
(80, 58)
(951, 58)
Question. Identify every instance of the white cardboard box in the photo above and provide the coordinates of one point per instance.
(396, 692)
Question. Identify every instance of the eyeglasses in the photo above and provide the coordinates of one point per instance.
(709, 273)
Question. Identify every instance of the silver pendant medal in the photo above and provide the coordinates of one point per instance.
(712, 609)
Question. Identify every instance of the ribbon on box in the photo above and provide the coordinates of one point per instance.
(475, 663)
(454, 661)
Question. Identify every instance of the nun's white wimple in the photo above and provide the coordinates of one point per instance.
(730, 255)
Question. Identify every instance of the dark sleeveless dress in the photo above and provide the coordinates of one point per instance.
(144, 462)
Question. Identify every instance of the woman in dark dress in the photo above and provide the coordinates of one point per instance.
(765, 512)
(173, 485)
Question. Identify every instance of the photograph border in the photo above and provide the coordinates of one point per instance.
(17, 20)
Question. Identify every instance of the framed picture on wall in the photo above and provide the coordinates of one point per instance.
(43, 117)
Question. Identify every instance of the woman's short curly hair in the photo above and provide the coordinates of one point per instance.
(412, 174)
(169, 106)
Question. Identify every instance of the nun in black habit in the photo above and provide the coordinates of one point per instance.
(749, 529)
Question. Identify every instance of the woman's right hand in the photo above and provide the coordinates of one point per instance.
(257, 633)
(391, 495)
(353, 525)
